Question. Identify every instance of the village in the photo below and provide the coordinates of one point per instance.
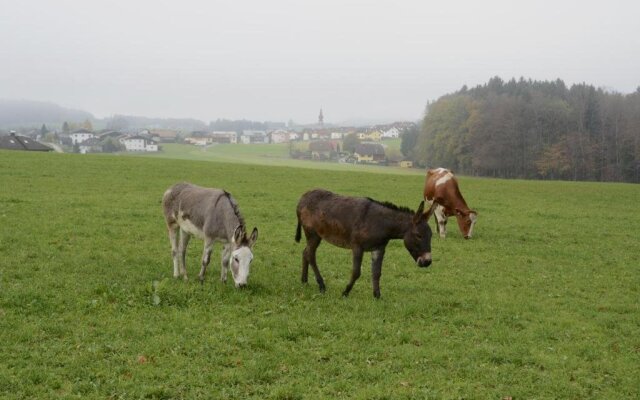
(358, 145)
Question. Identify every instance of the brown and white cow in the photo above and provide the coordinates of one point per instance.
(441, 187)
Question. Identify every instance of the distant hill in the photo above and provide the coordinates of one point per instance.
(26, 113)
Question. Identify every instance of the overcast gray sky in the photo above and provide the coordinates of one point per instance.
(282, 59)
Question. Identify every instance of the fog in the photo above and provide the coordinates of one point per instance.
(281, 60)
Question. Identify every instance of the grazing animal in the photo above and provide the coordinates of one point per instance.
(211, 215)
(360, 224)
(441, 188)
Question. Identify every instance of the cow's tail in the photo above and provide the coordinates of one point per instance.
(298, 232)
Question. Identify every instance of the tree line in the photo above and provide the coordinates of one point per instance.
(532, 129)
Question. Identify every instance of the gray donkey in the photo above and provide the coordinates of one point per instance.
(212, 215)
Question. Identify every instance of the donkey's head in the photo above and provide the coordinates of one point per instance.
(241, 255)
(417, 239)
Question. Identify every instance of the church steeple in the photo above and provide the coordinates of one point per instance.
(321, 118)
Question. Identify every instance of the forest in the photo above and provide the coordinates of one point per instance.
(533, 130)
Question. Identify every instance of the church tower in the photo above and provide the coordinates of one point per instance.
(321, 118)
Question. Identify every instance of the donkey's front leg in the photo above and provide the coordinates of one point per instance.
(376, 270)
(226, 255)
(355, 272)
(206, 257)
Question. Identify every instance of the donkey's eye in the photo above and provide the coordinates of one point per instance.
(236, 259)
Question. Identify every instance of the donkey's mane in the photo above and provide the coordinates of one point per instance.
(392, 206)
(235, 208)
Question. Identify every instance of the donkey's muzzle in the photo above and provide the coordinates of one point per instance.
(424, 261)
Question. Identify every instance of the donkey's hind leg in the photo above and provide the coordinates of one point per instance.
(309, 257)
(182, 249)
(173, 238)
(206, 257)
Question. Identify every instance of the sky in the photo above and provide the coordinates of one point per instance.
(281, 60)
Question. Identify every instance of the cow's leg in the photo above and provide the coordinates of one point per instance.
(173, 238)
(226, 258)
(376, 271)
(182, 249)
(441, 220)
(206, 257)
(355, 271)
(309, 257)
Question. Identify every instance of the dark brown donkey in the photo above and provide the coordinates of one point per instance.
(360, 224)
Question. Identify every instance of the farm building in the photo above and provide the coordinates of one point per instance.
(139, 143)
(370, 153)
(391, 133)
(249, 136)
(164, 135)
(323, 149)
(224, 137)
(406, 164)
(15, 142)
(372, 135)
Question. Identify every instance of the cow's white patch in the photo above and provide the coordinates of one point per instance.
(441, 170)
(189, 227)
(444, 179)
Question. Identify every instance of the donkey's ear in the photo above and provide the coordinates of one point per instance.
(238, 235)
(429, 212)
(418, 214)
(253, 237)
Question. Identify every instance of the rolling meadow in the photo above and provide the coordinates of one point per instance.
(542, 303)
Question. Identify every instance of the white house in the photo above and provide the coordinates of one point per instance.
(80, 136)
(281, 136)
(336, 135)
(139, 143)
(392, 133)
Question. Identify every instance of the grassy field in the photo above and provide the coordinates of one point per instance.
(268, 155)
(541, 304)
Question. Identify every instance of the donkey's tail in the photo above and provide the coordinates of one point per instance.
(298, 232)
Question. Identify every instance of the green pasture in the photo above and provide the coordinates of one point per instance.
(541, 304)
(268, 155)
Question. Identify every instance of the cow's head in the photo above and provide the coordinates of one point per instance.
(241, 255)
(466, 221)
